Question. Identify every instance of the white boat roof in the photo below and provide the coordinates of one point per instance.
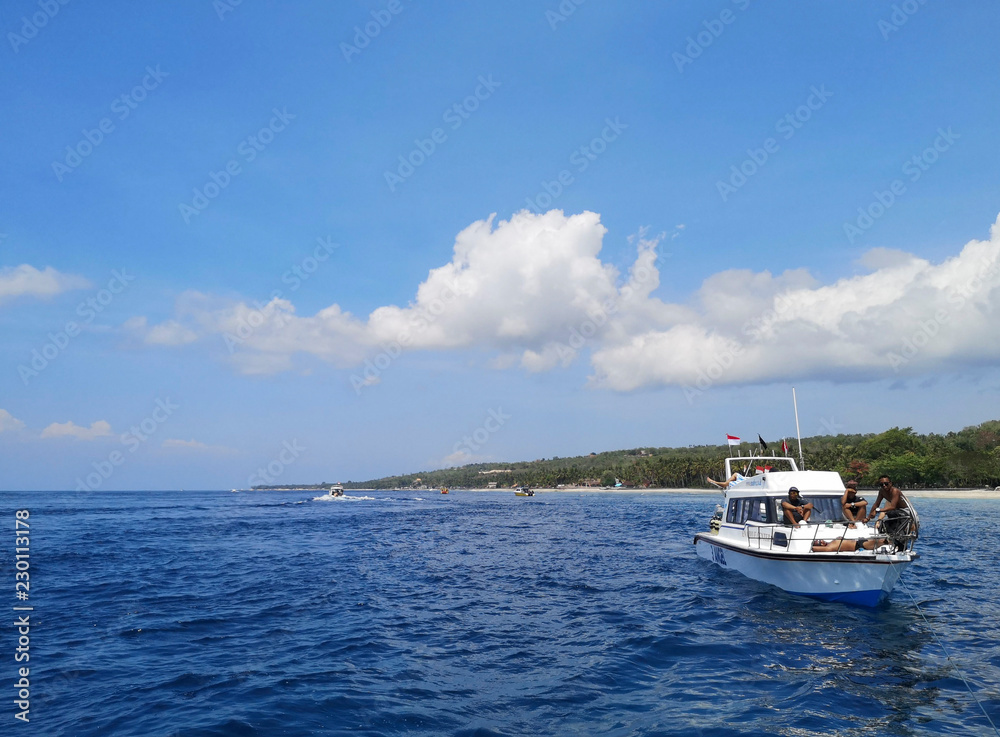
(779, 482)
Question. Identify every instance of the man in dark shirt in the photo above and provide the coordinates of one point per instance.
(853, 505)
(795, 508)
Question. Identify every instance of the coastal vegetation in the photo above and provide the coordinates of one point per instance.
(967, 458)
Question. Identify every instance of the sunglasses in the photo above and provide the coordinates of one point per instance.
(885, 483)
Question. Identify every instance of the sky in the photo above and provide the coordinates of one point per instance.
(259, 242)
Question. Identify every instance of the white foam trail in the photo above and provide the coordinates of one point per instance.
(345, 498)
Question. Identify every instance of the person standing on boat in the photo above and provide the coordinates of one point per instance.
(795, 508)
(853, 505)
(893, 500)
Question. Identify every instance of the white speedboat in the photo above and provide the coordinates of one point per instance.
(749, 534)
(336, 490)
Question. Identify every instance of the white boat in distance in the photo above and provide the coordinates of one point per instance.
(749, 535)
(336, 490)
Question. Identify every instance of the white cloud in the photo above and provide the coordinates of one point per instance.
(8, 422)
(197, 446)
(26, 280)
(169, 333)
(534, 291)
(98, 429)
(907, 317)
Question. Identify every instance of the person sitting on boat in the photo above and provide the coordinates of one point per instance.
(893, 500)
(848, 545)
(853, 505)
(795, 508)
(728, 482)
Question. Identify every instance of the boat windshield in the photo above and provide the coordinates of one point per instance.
(826, 508)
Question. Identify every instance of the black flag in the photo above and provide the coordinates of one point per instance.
(762, 443)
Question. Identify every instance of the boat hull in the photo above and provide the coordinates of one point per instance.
(863, 580)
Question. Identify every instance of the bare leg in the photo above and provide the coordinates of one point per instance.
(722, 484)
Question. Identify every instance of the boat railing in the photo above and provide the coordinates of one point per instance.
(900, 533)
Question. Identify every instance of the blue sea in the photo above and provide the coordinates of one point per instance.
(476, 613)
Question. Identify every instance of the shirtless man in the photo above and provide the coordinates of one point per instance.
(893, 499)
(853, 505)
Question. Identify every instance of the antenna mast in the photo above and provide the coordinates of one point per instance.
(798, 434)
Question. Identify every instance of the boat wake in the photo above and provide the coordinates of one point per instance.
(345, 498)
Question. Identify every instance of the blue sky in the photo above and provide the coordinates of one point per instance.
(571, 246)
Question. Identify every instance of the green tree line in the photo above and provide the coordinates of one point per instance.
(968, 458)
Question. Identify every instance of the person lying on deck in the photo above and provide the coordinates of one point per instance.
(725, 484)
(795, 508)
(844, 545)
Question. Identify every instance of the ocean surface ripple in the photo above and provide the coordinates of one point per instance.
(479, 613)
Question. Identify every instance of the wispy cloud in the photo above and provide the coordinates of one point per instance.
(27, 281)
(98, 429)
(8, 422)
(197, 446)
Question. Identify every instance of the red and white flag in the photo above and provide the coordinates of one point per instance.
(784, 446)
(733, 440)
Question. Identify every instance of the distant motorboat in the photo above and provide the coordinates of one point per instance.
(444, 490)
(523, 491)
(336, 490)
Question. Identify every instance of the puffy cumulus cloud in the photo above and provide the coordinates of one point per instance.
(98, 429)
(520, 284)
(533, 286)
(26, 280)
(906, 317)
(8, 422)
(534, 290)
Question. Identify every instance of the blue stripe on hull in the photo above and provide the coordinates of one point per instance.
(857, 598)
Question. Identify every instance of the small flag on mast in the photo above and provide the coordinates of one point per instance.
(784, 446)
(733, 440)
(763, 445)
